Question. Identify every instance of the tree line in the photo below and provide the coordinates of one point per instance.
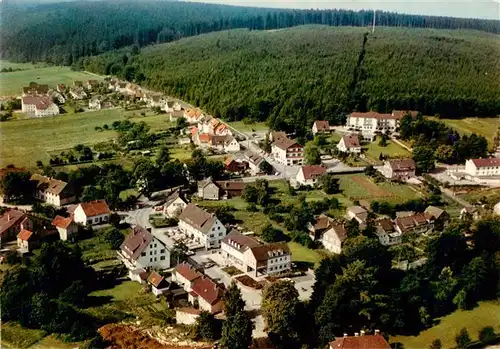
(62, 33)
(291, 78)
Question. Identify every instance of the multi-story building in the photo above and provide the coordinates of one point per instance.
(386, 232)
(39, 106)
(371, 123)
(488, 167)
(288, 152)
(202, 226)
(416, 223)
(399, 169)
(250, 256)
(309, 175)
(363, 341)
(321, 126)
(52, 191)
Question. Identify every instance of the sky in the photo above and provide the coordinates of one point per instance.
(488, 9)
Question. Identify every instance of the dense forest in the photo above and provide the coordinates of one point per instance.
(61, 33)
(294, 76)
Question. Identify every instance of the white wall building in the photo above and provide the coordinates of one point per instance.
(39, 106)
(333, 238)
(92, 213)
(174, 204)
(52, 191)
(288, 152)
(349, 144)
(371, 123)
(202, 226)
(66, 227)
(309, 175)
(488, 167)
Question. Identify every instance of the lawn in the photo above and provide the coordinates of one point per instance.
(23, 66)
(12, 83)
(392, 150)
(244, 127)
(61, 132)
(15, 336)
(486, 127)
(486, 314)
(362, 187)
(490, 195)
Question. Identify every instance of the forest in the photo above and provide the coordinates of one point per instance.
(295, 76)
(61, 33)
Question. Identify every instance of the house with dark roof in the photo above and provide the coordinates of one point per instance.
(254, 162)
(141, 250)
(386, 232)
(175, 204)
(66, 227)
(235, 166)
(207, 294)
(202, 226)
(333, 234)
(233, 247)
(209, 190)
(416, 223)
(470, 213)
(52, 191)
(10, 224)
(321, 126)
(268, 259)
(358, 213)
(92, 213)
(309, 175)
(440, 217)
(349, 144)
(363, 341)
(287, 152)
(184, 275)
(35, 89)
(158, 283)
(399, 169)
(319, 226)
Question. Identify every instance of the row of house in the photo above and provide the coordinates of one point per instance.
(211, 132)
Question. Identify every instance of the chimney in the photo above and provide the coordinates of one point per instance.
(362, 332)
(377, 332)
(356, 334)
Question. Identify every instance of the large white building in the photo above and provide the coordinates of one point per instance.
(39, 106)
(488, 167)
(249, 255)
(52, 191)
(288, 152)
(141, 250)
(202, 226)
(371, 123)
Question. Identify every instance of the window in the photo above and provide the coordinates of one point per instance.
(162, 258)
(162, 250)
(150, 253)
(150, 260)
(143, 253)
(155, 259)
(220, 234)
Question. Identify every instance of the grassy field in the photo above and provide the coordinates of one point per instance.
(243, 127)
(15, 336)
(486, 314)
(23, 142)
(23, 66)
(490, 195)
(361, 187)
(392, 150)
(486, 127)
(11, 83)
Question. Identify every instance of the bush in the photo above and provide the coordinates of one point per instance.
(487, 335)
(251, 207)
(114, 237)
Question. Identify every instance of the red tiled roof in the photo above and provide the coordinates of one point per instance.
(373, 115)
(187, 271)
(351, 141)
(208, 290)
(62, 222)
(313, 171)
(285, 143)
(40, 102)
(155, 279)
(360, 342)
(194, 130)
(322, 125)
(25, 235)
(204, 138)
(136, 242)
(9, 219)
(95, 208)
(402, 164)
(487, 162)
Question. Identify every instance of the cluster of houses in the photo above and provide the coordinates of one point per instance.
(211, 133)
(37, 100)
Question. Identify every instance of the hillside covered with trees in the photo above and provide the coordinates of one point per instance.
(293, 76)
(61, 33)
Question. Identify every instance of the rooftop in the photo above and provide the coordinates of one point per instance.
(313, 171)
(95, 208)
(197, 218)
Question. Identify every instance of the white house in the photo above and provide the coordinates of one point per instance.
(225, 143)
(254, 162)
(488, 167)
(95, 104)
(202, 226)
(78, 93)
(172, 106)
(52, 191)
(386, 232)
(371, 123)
(184, 275)
(321, 126)
(233, 247)
(349, 144)
(288, 152)
(66, 227)
(399, 169)
(141, 250)
(158, 283)
(208, 295)
(175, 204)
(39, 106)
(334, 237)
(268, 259)
(91, 213)
(309, 175)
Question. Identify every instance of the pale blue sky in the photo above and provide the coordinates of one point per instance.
(489, 9)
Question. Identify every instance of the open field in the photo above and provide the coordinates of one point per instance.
(392, 150)
(23, 66)
(243, 127)
(486, 127)
(23, 142)
(486, 314)
(490, 195)
(361, 187)
(11, 83)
